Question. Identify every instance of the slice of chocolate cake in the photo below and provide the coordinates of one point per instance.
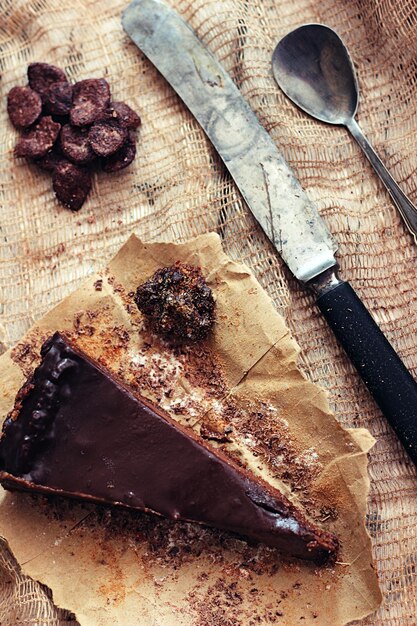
(77, 431)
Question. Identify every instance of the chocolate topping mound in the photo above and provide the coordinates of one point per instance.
(77, 431)
(177, 302)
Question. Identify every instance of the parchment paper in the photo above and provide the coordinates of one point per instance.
(117, 568)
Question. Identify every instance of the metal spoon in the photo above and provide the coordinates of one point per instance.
(313, 67)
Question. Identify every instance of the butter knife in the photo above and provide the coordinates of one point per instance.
(277, 201)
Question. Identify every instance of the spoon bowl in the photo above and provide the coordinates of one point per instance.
(313, 68)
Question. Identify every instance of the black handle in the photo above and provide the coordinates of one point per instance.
(380, 367)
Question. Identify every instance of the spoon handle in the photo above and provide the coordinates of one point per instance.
(403, 204)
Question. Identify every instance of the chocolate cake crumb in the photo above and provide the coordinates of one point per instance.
(212, 435)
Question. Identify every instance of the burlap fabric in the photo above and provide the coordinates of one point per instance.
(178, 188)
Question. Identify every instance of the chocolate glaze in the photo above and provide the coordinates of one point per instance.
(77, 431)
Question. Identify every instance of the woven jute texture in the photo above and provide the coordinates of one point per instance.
(178, 188)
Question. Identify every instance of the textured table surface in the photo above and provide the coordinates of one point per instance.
(178, 188)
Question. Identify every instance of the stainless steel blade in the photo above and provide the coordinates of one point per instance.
(262, 175)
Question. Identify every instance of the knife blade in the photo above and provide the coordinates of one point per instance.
(268, 185)
(278, 202)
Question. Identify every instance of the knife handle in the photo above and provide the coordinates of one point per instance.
(380, 367)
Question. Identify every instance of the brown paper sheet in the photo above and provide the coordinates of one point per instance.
(115, 568)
